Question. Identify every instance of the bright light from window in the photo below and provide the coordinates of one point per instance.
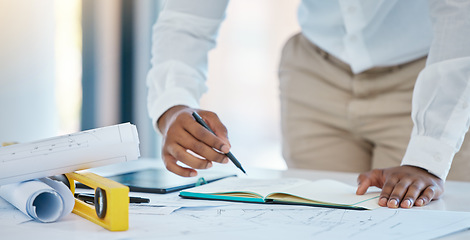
(68, 48)
(242, 79)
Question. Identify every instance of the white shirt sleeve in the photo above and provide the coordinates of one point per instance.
(182, 37)
(441, 96)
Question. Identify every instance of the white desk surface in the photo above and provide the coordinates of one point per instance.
(456, 198)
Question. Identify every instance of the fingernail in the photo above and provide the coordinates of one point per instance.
(225, 148)
(419, 202)
(225, 160)
(393, 203)
(383, 201)
(193, 174)
(209, 165)
(407, 203)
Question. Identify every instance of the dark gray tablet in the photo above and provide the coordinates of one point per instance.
(162, 181)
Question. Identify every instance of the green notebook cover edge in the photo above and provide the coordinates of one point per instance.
(219, 197)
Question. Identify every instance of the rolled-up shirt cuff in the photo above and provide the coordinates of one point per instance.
(170, 99)
(431, 154)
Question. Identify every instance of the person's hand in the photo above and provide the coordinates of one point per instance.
(181, 132)
(403, 186)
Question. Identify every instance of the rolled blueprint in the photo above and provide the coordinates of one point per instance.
(44, 200)
(68, 153)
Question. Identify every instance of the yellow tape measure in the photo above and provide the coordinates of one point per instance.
(111, 201)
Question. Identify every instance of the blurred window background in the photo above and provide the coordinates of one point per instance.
(27, 70)
(72, 65)
(243, 82)
(68, 70)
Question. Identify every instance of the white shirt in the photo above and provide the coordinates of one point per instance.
(362, 33)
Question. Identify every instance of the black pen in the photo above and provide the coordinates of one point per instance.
(90, 197)
(229, 154)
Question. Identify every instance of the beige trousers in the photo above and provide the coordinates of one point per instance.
(335, 120)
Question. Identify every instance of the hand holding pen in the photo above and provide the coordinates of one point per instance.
(229, 154)
(181, 132)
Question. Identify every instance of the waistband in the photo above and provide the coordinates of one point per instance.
(339, 63)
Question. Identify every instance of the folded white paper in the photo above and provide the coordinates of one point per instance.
(68, 153)
(44, 200)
